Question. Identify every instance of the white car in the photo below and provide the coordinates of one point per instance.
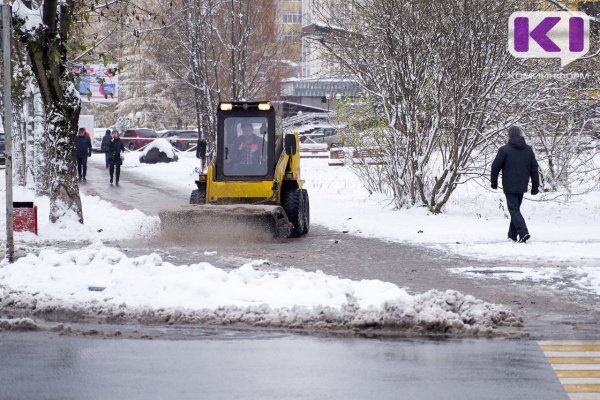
(312, 143)
(326, 135)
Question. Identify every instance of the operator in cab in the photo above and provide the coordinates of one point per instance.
(247, 148)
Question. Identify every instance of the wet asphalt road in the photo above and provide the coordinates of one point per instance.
(548, 313)
(246, 366)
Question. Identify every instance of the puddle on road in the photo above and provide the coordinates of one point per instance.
(492, 271)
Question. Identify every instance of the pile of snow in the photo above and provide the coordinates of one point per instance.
(102, 221)
(160, 150)
(18, 324)
(103, 283)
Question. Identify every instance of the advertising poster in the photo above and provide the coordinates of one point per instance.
(97, 83)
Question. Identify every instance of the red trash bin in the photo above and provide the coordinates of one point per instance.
(25, 217)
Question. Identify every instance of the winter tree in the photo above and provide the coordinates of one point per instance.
(222, 50)
(438, 83)
(53, 34)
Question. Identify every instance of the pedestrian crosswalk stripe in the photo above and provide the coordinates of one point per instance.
(570, 348)
(577, 365)
(584, 396)
(564, 343)
(577, 373)
(572, 353)
(574, 360)
(582, 388)
(580, 381)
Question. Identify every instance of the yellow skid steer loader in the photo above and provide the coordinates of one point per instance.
(252, 185)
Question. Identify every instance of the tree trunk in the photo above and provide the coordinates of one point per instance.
(47, 48)
(40, 145)
(20, 146)
(62, 162)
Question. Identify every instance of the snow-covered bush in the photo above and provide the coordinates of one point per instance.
(160, 150)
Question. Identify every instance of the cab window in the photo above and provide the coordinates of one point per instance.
(245, 146)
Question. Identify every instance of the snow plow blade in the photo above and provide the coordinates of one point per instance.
(218, 222)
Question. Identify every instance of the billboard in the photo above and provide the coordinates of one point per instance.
(97, 83)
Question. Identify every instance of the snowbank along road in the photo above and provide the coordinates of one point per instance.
(461, 303)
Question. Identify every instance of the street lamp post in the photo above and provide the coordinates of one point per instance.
(6, 42)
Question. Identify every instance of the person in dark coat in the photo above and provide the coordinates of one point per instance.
(114, 157)
(247, 148)
(105, 145)
(517, 162)
(83, 146)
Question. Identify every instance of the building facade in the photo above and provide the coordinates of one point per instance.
(289, 17)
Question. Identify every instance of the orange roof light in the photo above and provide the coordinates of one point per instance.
(226, 106)
(264, 106)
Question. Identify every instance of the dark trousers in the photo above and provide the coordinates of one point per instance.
(517, 222)
(106, 159)
(112, 169)
(81, 167)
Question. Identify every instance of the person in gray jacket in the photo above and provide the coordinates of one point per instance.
(517, 162)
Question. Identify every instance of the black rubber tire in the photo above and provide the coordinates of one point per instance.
(293, 203)
(198, 196)
(131, 146)
(306, 211)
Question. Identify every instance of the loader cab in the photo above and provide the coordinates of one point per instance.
(246, 141)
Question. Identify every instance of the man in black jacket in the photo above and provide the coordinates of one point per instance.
(105, 145)
(517, 162)
(84, 150)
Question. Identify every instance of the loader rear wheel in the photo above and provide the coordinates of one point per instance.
(198, 196)
(306, 211)
(293, 204)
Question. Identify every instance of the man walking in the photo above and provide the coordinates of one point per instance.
(517, 162)
(114, 157)
(104, 147)
(83, 146)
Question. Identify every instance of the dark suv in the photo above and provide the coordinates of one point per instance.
(133, 139)
(181, 140)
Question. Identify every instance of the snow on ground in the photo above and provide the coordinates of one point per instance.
(102, 220)
(18, 324)
(180, 174)
(474, 222)
(149, 289)
(585, 278)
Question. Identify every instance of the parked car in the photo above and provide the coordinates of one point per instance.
(133, 139)
(329, 136)
(312, 143)
(181, 140)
